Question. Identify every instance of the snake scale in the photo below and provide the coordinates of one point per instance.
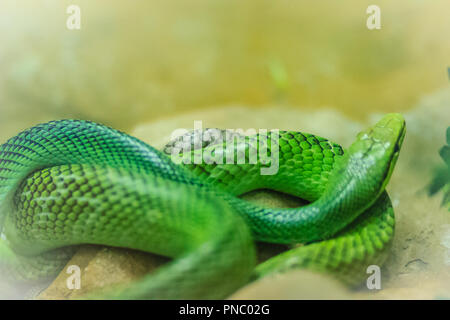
(72, 182)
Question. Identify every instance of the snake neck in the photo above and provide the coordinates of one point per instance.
(339, 186)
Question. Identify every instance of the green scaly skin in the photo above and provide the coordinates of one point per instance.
(66, 183)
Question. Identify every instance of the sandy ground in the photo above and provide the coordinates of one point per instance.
(419, 264)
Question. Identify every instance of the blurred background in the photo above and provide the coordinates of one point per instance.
(150, 67)
(138, 61)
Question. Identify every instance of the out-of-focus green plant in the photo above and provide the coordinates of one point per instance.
(441, 180)
(278, 73)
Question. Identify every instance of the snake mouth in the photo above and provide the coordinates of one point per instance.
(398, 125)
(400, 138)
(398, 143)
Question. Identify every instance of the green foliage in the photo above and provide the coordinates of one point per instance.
(441, 180)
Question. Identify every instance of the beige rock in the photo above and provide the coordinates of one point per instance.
(102, 267)
(295, 285)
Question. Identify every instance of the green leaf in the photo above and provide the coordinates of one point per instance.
(441, 180)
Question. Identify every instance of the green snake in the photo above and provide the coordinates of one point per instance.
(72, 182)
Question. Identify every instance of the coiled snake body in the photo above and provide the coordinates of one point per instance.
(70, 182)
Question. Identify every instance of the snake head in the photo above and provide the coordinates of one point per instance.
(379, 146)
